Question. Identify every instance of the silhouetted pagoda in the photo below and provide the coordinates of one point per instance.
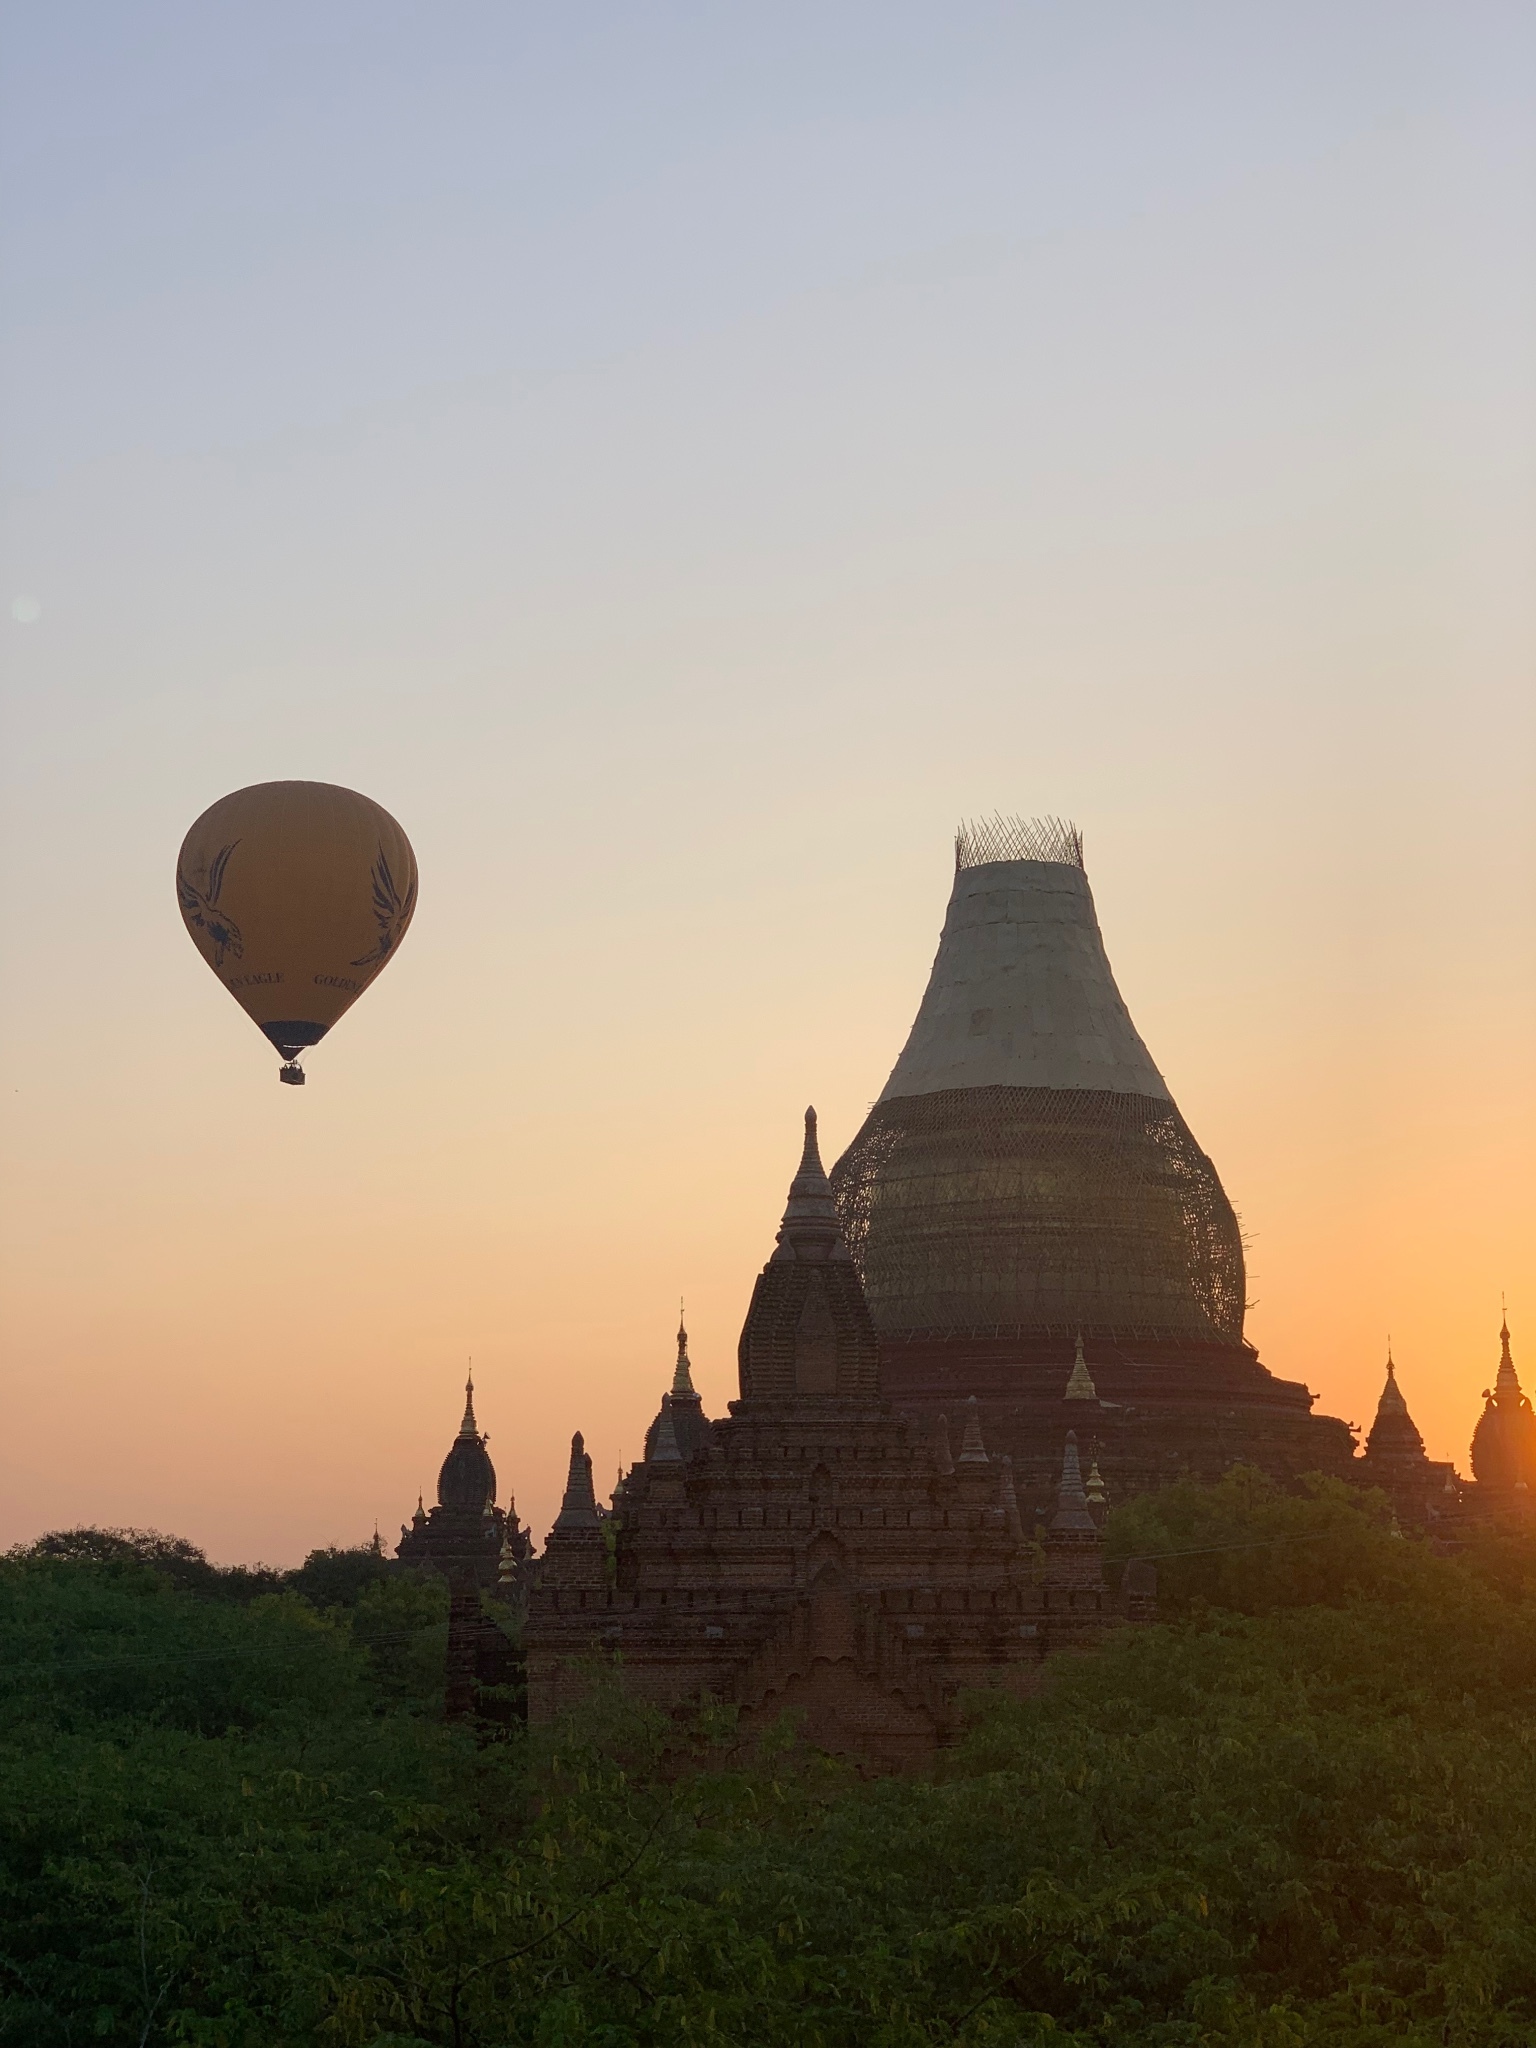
(1504, 1441)
(466, 1534)
(815, 1550)
(479, 1549)
(1026, 1206)
(681, 1402)
(1421, 1488)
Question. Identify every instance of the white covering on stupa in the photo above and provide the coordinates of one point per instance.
(1021, 994)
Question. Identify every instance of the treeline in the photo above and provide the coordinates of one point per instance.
(1302, 1810)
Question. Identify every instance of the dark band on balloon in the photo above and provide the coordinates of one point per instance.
(290, 1037)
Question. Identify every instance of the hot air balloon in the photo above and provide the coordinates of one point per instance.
(297, 894)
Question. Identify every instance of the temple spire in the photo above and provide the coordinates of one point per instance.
(682, 1377)
(810, 1229)
(1393, 1435)
(1391, 1402)
(1507, 1386)
(681, 1410)
(578, 1509)
(467, 1478)
(665, 1450)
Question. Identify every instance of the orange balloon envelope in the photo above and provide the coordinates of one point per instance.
(297, 894)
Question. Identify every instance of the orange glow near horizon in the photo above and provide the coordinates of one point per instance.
(243, 1314)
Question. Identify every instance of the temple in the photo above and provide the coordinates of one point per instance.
(480, 1550)
(1017, 1300)
(681, 1409)
(1421, 1488)
(1034, 1222)
(815, 1551)
(1504, 1441)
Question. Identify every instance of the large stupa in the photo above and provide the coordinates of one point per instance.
(1025, 1189)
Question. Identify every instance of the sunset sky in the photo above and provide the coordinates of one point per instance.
(680, 460)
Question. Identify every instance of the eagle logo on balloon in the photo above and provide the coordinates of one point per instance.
(391, 910)
(200, 907)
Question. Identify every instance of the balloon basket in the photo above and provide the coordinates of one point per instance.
(291, 1072)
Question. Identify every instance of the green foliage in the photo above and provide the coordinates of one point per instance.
(182, 1563)
(340, 1578)
(1299, 1814)
(402, 1622)
(83, 1648)
(1247, 1546)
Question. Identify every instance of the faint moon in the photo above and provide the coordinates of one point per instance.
(26, 611)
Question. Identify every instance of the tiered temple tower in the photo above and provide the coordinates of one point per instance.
(815, 1551)
(689, 1423)
(1422, 1489)
(1025, 1193)
(464, 1535)
(478, 1548)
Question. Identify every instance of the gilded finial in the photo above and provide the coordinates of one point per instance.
(469, 1427)
(682, 1372)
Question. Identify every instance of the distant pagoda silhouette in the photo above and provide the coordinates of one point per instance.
(479, 1549)
(1421, 1488)
(1504, 1441)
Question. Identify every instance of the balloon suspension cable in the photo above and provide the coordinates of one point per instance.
(291, 1072)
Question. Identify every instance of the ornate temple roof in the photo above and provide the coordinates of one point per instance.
(1504, 1441)
(810, 1230)
(1393, 1434)
(467, 1481)
(578, 1508)
(681, 1406)
(808, 1328)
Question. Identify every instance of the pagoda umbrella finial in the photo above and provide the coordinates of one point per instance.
(682, 1376)
(1506, 1386)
